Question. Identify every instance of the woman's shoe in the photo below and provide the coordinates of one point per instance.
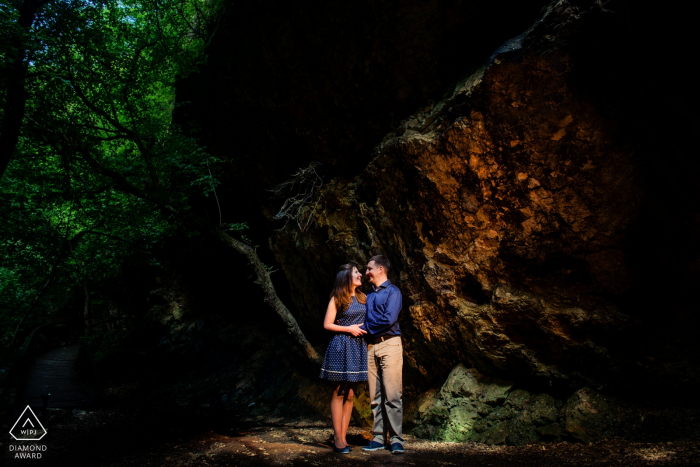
(345, 450)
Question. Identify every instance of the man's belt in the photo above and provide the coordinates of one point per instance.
(377, 340)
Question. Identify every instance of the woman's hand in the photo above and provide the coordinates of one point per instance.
(328, 324)
(355, 330)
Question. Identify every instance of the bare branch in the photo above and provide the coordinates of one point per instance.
(307, 183)
(211, 177)
(112, 121)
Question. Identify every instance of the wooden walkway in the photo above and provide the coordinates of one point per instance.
(55, 373)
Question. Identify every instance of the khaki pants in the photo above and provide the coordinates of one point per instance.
(384, 365)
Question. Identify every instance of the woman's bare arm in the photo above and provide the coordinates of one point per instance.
(329, 322)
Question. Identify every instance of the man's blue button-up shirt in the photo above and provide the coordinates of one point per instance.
(383, 307)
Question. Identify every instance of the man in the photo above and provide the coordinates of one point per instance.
(384, 357)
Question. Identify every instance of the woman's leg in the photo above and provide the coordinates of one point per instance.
(351, 388)
(337, 414)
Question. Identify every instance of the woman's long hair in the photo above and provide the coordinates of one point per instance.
(343, 288)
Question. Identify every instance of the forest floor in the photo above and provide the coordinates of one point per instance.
(121, 434)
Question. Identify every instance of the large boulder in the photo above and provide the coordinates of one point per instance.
(591, 416)
(472, 407)
(287, 83)
(525, 222)
(452, 413)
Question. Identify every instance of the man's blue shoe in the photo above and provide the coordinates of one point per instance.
(345, 450)
(373, 446)
(396, 448)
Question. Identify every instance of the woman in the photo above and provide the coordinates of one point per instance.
(346, 357)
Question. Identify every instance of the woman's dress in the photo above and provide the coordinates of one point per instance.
(346, 356)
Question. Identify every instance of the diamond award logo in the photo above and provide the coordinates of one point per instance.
(28, 427)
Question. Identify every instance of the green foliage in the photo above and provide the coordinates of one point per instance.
(101, 80)
(236, 227)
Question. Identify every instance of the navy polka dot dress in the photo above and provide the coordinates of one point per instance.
(346, 356)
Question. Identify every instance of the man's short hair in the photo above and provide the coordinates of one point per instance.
(381, 260)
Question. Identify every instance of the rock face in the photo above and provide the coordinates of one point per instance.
(525, 222)
(471, 407)
(286, 84)
(542, 217)
(591, 417)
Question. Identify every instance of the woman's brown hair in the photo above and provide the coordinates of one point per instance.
(343, 288)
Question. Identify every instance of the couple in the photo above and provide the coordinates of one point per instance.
(367, 343)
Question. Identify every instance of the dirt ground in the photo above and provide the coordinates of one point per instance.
(146, 436)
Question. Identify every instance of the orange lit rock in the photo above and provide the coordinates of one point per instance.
(513, 230)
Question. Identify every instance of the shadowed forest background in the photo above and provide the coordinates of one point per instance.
(181, 180)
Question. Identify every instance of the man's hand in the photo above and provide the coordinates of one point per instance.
(355, 330)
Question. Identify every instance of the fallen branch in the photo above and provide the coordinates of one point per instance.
(263, 276)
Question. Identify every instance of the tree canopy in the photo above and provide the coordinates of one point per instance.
(98, 175)
(98, 83)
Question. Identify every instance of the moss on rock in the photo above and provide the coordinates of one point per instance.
(472, 407)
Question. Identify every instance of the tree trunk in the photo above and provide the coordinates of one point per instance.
(31, 307)
(16, 95)
(86, 310)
